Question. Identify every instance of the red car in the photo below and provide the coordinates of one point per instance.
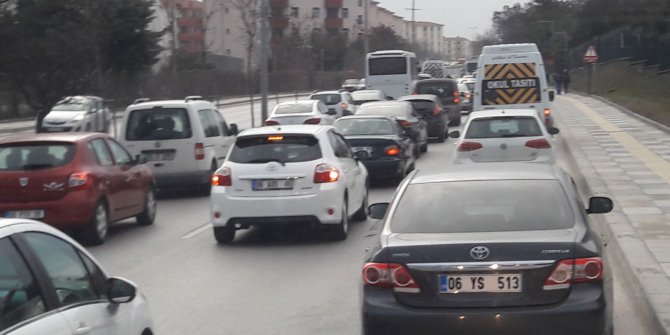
(78, 182)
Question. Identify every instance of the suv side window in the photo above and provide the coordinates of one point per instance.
(222, 123)
(209, 123)
(20, 298)
(65, 269)
(121, 156)
(101, 152)
(339, 145)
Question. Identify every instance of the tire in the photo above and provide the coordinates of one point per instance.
(362, 213)
(338, 232)
(225, 234)
(96, 230)
(417, 150)
(424, 147)
(441, 138)
(148, 215)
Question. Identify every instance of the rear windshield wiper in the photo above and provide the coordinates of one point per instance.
(267, 160)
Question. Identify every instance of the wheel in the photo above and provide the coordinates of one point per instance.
(224, 234)
(96, 231)
(417, 151)
(442, 137)
(424, 147)
(362, 213)
(339, 231)
(148, 215)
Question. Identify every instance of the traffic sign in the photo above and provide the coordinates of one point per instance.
(590, 56)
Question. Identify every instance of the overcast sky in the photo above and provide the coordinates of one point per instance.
(465, 18)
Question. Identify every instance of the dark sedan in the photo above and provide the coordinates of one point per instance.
(488, 249)
(380, 143)
(431, 110)
(447, 91)
(406, 116)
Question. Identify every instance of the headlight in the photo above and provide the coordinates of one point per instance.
(78, 117)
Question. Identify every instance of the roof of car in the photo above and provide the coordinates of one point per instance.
(299, 102)
(491, 171)
(390, 118)
(386, 103)
(328, 92)
(28, 225)
(502, 112)
(168, 103)
(292, 129)
(418, 97)
(436, 80)
(368, 92)
(50, 137)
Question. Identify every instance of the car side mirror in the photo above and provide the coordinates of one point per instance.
(233, 129)
(553, 130)
(455, 134)
(552, 95)
(120, 290)
(600, 205)
(378, 210)
(140, 159)
(360, 155)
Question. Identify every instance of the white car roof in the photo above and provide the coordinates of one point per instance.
(285, 129)
(503, 112)
(171, 104)
(491, 171)
(328, 92)
(299, 102)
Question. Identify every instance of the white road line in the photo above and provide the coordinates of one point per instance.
(197, 231)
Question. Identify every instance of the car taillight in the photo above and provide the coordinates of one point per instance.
(314, 120)
(539, 143)
(325, 173)
(456, 99)
(469, 146)
(344, 105)
(547, 112)
(389, 275)
(78, 180)
(224, 177)
(570, 271)
(404, 123)
(271, 123)
(392, 150)
(436, 110)
(199, 151)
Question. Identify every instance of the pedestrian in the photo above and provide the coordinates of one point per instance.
(558, 79)
(565, 78)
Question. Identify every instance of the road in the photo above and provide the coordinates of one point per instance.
(285, 281)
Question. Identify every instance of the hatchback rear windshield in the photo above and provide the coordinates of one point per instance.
(483, 206)
(158, 124)
(365, 126)
(277, 148)
(508, 126)
(328, 99)
(382, 110)
(293, 109)
(35, 156)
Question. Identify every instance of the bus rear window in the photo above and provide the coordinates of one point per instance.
(387, 66)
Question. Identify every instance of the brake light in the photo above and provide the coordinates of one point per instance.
(539, 143)
(404, 123)
(344, 105)
(456, 99)
(199, 151)
(314, 120)
(547, 112)
(392, 150)
(325, 173)
(224, 177)
(79, 180)
(436, 110)
(469, 146)
(570, 271)
(389, 275)
(271, 123)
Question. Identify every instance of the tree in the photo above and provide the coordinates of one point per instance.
(249, 15)
(385, 38)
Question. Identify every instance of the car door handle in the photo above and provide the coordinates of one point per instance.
(82, 330)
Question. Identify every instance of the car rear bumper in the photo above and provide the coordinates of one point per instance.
(584, 312)
(435, 127)
(74, 210)
(181, 179)
(466, 107)
(257, 210)
(383, 168)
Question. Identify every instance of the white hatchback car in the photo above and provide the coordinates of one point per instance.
(285, 174)
(49, 284)
(510, 135)
(301, 112)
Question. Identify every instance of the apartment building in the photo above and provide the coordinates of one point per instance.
(428, 35)
(456, 48)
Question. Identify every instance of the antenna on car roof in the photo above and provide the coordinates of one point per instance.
(141, 100)
(193, 98)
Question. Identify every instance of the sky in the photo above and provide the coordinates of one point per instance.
(465, 18)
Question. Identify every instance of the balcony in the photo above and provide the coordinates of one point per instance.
(191, 36)
(279, 22)
(278, 3)
(333, 23)
(333, 4)
(189, 22)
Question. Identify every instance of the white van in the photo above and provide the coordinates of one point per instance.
(184, 141)
(512, 76)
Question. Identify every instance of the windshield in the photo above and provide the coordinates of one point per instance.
(158, 124)
(279, 148)
(365, 126)
(515, 126)
(20, 156)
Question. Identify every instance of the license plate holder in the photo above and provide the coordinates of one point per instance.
(272, 184)
(25, 214)
(480, 283)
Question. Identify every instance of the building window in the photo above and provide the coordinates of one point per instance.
(228, 52)
(315, 12)
(360, 3)
(345, 13)
(227, 31)
(359, 19)
(295, 12)
(226, 10)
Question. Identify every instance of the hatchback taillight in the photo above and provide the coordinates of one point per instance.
(456, 98)
(469, 146)
(538, 144)
(436, 110)
(325, 173)
(392, 150)
(223, 177)
(314, 120)
(79, 180)
(199, 151)
(271, 123)
(577, 270)
(389, 275)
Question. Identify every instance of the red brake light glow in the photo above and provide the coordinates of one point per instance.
(389, 275)
(78, 180)
(538, 144)
(275, 138)
(436, 110)
(199, 151)
(392, 150)
(456, 99)
(469, 146)
(224, 177)
(577, 270)
(325, 173)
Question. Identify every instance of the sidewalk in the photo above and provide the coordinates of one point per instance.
(628, 160)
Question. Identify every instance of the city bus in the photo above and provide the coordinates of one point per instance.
(391, 71)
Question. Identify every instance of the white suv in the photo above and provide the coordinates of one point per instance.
(184, 141)
(289, 173)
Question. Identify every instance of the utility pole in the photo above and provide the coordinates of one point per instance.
(413, 9)
(366, 37)
(264, 59)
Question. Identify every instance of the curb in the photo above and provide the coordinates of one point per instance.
(624, 242)
(642, 118)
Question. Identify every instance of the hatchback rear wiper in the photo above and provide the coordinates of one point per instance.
(267, 160)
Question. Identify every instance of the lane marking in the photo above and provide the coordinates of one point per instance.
(197, 231)
(653, 161)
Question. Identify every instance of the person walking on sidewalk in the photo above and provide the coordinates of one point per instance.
(558, 79)
(565, 79)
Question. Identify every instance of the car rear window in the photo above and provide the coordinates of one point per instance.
(279, 148)
(483, 206)
(382, 110)
(508, 126)
(328, 99)
(158, 124)
(423, 106)
(293, 109)
(441, 89)
(365, 126)
(34, 156)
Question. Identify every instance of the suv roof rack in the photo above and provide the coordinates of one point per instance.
(141, 100)
(193, 98)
